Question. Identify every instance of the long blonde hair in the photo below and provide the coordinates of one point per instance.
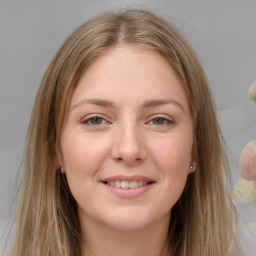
(48, 224)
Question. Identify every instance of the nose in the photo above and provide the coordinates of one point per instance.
(129, 146)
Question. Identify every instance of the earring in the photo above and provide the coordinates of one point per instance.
(192, 165)
(61, 169)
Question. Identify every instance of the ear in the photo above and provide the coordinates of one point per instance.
(192, 167)
(58, 158)
(193, 159)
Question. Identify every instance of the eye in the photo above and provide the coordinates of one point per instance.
(161, 121)
(95, 120)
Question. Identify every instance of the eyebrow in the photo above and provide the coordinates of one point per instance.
(146, 104)
(98, 102)
(159, 102)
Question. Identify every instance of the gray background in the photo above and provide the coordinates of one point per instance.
(223, 32)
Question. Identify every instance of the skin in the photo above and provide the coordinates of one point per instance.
(140, 124)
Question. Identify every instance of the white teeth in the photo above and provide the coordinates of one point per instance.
(140, 183)
(117, 184)
(133, 184)
(127, 184)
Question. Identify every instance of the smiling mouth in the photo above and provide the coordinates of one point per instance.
(127, 184)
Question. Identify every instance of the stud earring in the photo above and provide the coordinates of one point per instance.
(192, 165)
(61, 169)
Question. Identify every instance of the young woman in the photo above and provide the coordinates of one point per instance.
(124, 153)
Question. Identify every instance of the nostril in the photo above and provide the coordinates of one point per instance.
(119, 159)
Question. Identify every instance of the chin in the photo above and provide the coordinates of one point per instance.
(134, 219)
(130, 224)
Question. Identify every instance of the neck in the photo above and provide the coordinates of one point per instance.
(101, 240)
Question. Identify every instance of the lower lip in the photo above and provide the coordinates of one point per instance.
(129, 192)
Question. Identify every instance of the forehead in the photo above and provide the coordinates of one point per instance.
(128, 73)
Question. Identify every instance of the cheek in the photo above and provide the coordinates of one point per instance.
(82, 158)
(173, 155)
(82, 155)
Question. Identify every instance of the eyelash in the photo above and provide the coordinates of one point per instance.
(165, 121)
(89, 121)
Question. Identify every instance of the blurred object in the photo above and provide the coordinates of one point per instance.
(247, 225)
(245, 189)
(246, 186)
(252, 91)
(248, 161)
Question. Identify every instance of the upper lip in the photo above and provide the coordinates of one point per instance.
(127, 178)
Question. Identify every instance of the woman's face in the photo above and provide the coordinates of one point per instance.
(126, 147)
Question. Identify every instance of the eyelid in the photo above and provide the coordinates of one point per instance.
(87, 118)
(169, 120)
